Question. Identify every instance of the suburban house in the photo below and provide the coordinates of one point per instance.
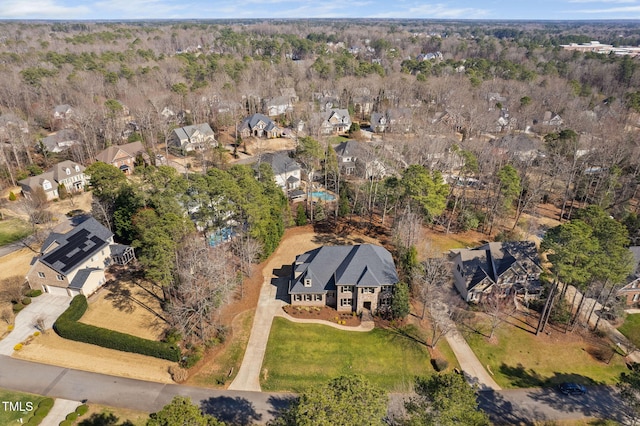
(278, 106)
(67, 173)
(260, 126)
(286, 170)
(74, 262)
(347, 278)
(378, 122)
(631, 291)
(335, 121)
(496, 267)
(552, 119)
(124, 156)
(354, 156)
(191, 138)
(60, 141)
(519, 146)
(61, 116)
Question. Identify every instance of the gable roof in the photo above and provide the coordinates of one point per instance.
(492, 260)
(111, 153)
(186, 132)
(60, 170)
(280, 162)
(350, 148)
(76, 246)
(61, 139)
(253, 120)
(364, 265)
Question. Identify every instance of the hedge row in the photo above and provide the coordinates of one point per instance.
(67, 326)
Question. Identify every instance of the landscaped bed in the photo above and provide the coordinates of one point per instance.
(325, 313)
(518, 358)
(303, 355)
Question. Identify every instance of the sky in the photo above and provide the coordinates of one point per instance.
(248, 9)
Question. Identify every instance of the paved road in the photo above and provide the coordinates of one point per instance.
(523, 406)
(236, 407)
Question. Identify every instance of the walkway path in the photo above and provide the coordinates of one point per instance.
(45, 306)
(61, 408)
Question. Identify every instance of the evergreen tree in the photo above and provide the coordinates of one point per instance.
(400, 303)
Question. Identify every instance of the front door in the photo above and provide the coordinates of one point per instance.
(367, 305)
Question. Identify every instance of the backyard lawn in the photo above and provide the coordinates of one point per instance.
(303, 355)
(518, 358)
(12, 230)
(631, 329)
(8, 416)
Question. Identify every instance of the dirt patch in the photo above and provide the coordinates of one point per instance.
(325, 313)
(16, 263)
(127, 305)
(50, 348)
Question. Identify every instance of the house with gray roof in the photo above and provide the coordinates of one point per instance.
(504, 267)
(259, 126)
(192, 138)
(286, 171)
(60, 141)
(347, 278)
(334, 121)
(67, 173)
(74, 262)
(358, 158)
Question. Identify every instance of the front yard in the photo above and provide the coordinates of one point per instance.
(518, 358)
(303, 355)
(19, 401)
(12, 230)
(631, 329)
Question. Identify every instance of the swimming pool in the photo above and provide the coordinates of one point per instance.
(324, 196)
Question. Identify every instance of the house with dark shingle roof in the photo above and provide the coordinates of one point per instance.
(504, 267)
(74, 262)
(60, 141)
(286, 171)
(347, 278)
(192, 138)
(260, 126)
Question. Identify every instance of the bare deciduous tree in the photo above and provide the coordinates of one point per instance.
(499, 308)
(12, 288)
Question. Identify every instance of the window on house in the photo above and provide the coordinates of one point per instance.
(46, 185)
(307, 282)
(331, 294)
(297, 297)
(317, 298)
(41, 274)
(59, 277)
(636, 297)
(386, 288)
(68, 171)
(77, 168)
(385, 301)
(307, 298)
(365, 290)
(347, 288)
(345, 302)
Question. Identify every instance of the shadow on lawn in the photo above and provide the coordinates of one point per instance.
(236, 411)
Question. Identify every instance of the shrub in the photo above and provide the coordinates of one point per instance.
(178, 374)
(46, 403)
(439, 364)
(192, 357)
(36, 334)
(12, 196)
(10, 327)
(82, 409)
(67, 326)
(66, 423)
(173, 336)
(35, 420)
(72, 416)
(26, 301)
(42, 411)
(17, 307)
(17, 347)
(34, 293)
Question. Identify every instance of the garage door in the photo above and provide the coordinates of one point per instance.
(57, 291)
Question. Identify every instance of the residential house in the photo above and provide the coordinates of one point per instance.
(60, 141)
(286, 171)
(552, 119)
(278, 106)
(354, 156)
(67, 173)
(496, 267)
(519, 146)
(631, 291)
(378, 122)
(260, 126)
(335, 121)
(61, 116)
(74, 262)
(347, 278)
(192, 138)
(124, 156)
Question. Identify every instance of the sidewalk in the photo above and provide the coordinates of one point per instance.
(45, 306)
(59, 411)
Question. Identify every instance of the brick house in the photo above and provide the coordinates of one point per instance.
(124, 156)
(347, 278)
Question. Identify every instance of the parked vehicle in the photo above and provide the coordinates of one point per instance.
(572, 389)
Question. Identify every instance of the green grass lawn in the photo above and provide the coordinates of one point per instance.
(520, 359)
(8, 416)
(631, 329)
(13, 230)
(303, 355)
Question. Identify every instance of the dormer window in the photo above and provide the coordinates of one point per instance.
(77, 168)
(307, 282)
(46, 185)
(68, 170)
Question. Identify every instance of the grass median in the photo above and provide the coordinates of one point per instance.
(303, 355)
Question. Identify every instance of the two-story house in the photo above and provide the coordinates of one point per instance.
(192, 138)
(124, 156)
(356, 158)
(347, 278)
(67, 173)
(335, 121)
(286, 171)
(496, 267)
(259, 126)
(74, 262)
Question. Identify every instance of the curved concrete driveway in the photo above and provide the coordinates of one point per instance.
(45, 306)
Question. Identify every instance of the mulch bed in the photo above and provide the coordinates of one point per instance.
(323, 313)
